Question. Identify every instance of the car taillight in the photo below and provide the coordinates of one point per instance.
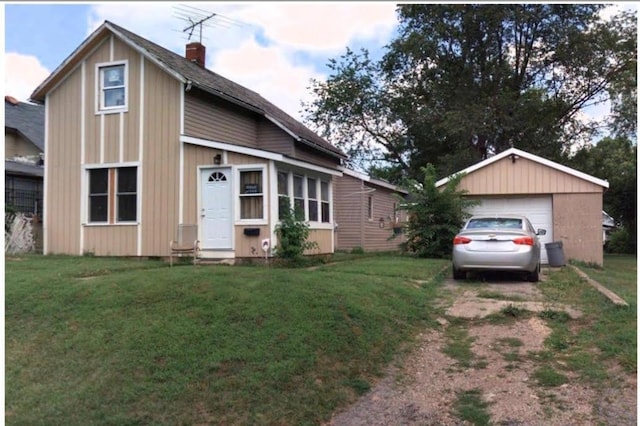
(524, 241)
(461, 240)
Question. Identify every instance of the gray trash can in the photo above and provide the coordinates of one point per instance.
(555, 253)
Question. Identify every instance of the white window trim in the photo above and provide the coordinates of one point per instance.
(236, 192)
(85, 196)
(319, 178)
(100, 109)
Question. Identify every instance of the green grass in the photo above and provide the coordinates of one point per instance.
(548, 377)
(458, 346)
(469, 406)
(115, 341)
(606, 334)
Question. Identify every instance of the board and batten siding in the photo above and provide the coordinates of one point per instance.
(160, 165)
(63, 174)
(211, 118)
(523, 177)
(113, 139)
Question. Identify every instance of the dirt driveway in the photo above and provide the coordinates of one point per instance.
(423, 388)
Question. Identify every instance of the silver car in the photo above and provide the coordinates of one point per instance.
(497, 243)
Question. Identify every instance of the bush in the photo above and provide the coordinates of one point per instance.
(621, 241)
(293, 235)
(435, 215)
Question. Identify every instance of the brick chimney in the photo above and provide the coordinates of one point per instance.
(195, 52)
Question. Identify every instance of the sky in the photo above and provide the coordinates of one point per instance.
(273, 48)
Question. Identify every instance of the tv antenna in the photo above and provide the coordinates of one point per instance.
(199, 18)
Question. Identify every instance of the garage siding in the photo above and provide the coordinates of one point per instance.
(577, 222)
(505, 177)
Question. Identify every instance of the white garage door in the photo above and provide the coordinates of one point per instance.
(537, 209)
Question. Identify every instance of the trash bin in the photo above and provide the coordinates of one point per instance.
(555, 253)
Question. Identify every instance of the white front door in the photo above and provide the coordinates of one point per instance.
(215, 209)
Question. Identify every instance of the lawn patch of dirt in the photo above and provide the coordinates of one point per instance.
(421, 389)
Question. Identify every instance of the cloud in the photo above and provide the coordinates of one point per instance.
(276, 78)
(321, 26)
(23, 73)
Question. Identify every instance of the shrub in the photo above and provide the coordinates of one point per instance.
(293, 235)
(435, 214)
(621, 241)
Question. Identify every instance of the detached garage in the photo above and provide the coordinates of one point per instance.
(565, 202)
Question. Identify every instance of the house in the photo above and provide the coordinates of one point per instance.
(565, 202)
(24, 154)
(367, 213)
(140, 139)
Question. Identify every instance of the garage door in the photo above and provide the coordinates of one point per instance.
(537, 209)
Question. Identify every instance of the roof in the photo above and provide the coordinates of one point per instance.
(531, 157)
(193, 75)
(373, 181)
(18, 168)
(26, 119)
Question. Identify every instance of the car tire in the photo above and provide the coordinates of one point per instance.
(458, 274)
(534, 276)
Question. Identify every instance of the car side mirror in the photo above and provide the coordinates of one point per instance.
(541, 232)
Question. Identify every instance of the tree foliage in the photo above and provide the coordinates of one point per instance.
(461, 82)
(435, 214)
(615, 160)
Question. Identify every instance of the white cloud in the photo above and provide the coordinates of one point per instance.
(275, 78)
(321, 26)
(23, 73)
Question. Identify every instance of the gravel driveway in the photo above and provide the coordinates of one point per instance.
(423, 387)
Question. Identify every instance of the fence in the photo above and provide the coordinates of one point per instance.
(24, 201)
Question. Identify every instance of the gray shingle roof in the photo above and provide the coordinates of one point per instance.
(17, 168)
(220, 86)
(28, 119)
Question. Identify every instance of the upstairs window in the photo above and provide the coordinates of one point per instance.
(112, 87)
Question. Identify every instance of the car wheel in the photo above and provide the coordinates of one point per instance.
(458, 274)
(534, 276)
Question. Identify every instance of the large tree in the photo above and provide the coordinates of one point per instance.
(464, 81)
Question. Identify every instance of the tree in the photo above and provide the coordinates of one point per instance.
(615, 159)
(435, 214)
(462, 82)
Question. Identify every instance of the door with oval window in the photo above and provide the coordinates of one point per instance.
(216, 215)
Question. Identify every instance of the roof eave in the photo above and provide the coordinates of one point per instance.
(530, 157)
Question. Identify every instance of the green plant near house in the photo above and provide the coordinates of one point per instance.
(293, 236)
(435, 214)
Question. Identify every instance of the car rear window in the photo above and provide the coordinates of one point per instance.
(495, 223)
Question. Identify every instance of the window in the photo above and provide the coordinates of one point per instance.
(370, 208)
(251, 195)
(298, 197)
(309, 196)
(312, 199)
(112, 87)
(283, 194)
(324, 198)
(113, 195)
(98, 195)
(126, 195)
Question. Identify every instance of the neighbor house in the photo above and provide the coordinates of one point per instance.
(23, 156)
(140, 139)
(563, 201)
(367, 213)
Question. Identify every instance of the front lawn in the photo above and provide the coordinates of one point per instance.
(99, 340)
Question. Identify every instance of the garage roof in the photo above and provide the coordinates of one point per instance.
(531, 157)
